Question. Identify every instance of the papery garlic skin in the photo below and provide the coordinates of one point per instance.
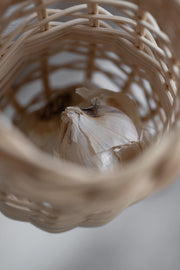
(88, 140)
(117, 100)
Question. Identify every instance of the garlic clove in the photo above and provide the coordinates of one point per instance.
(88, 140)
(127, 152)
(74, 143)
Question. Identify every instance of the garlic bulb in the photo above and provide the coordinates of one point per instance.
(103, 134)
(96, 128)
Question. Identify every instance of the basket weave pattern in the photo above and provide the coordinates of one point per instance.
(95, 36)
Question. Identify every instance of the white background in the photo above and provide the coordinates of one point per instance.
(146, 236)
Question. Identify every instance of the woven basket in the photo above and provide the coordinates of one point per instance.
(127, 46)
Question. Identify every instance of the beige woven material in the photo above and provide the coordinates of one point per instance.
(56, 195)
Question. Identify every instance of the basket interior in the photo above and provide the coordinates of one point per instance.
(65, 45)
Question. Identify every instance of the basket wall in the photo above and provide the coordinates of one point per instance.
(40, 40)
